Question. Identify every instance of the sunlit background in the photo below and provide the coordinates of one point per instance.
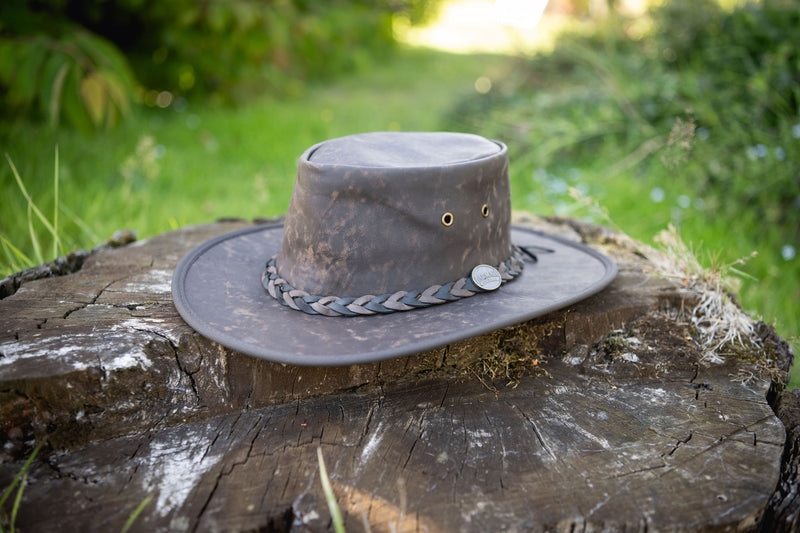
(504, 26)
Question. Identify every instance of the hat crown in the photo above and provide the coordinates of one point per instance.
(388, 211)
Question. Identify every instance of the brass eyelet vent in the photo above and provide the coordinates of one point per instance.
(447, 219)
(485, 210)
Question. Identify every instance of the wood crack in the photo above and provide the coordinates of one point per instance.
(539, 436)
(94, 299)
(175, 351)
(680, 443)
(224, 470)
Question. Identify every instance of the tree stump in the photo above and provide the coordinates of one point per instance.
(600, 417)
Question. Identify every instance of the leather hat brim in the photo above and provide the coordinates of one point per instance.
(217, 289)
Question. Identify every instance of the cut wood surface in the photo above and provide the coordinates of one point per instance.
(602, 416)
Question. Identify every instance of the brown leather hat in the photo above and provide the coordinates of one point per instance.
(394, 243)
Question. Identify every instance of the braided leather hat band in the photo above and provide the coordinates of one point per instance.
(369, 304)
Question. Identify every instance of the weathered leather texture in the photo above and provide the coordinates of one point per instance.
(366, 212)
(218, 291)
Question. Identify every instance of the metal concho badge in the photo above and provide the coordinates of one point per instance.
(486, 277)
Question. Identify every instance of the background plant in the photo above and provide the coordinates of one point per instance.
(84, 61)
(66, 74)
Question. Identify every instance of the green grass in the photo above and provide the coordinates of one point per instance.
(33, 215)
(330, 497)
(164, 169)
(135, 514)
(20, 479)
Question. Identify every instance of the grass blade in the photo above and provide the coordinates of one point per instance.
(31, 205)
(336, 515)
(135, 514)
(81, 224)
(37, 250)
(742, 274)
(18, 501)
(56, 240)
(13, 253)
(20, 474)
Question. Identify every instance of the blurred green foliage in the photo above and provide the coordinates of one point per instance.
(694, 93)
(74, 75)
(76, 59)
